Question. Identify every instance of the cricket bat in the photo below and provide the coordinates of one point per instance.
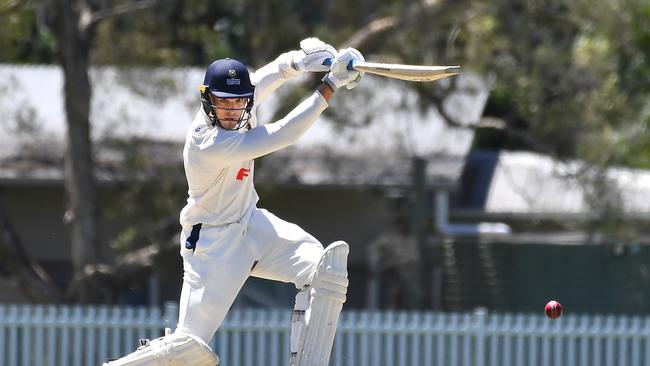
(403, 72)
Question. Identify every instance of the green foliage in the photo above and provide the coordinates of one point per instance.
(194, 32)
(21, 40)
(571, 80)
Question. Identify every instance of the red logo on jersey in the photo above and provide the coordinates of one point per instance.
(243, 173)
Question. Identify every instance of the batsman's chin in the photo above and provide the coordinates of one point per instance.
(229, 124)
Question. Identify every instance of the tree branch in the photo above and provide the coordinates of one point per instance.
(384, 24)
(106, 281)
(7, 7)
(373, 28)
(34, 281)
(121, 10)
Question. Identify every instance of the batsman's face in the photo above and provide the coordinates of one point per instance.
(229, 110)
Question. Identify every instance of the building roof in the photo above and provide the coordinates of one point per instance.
(525, 182)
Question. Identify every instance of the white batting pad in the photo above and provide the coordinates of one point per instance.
(328, 289)
(170, 350)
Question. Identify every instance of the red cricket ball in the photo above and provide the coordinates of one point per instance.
(553, 309)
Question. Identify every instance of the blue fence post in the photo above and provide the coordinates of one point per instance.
(479, 329)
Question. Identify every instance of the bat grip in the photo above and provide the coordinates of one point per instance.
(328, 62)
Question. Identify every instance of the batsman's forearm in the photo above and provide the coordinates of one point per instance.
(289, 129)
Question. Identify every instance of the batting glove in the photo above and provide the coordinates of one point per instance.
(312, 56)
(342, 73)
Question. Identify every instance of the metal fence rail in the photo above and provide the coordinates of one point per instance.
(62, 335)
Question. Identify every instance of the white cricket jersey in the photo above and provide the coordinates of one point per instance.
(219, 163)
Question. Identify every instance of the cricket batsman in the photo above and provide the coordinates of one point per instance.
(225, 238)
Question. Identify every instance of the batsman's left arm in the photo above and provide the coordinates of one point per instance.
(271, 76)
(310, 58)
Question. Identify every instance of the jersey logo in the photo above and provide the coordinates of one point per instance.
(243, 173)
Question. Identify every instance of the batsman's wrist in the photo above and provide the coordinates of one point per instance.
(326, 90)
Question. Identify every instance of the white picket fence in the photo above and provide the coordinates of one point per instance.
(61, 335)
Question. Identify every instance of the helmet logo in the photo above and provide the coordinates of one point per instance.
(232, 75)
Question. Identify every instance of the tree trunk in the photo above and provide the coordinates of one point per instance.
(72, 27)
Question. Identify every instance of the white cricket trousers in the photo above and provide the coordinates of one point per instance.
(217, 260)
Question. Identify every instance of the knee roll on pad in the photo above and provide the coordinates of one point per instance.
(328, 293)
(175, 349)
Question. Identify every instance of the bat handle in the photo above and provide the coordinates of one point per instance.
(328, 62)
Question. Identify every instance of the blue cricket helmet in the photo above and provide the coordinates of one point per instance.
(227, 78)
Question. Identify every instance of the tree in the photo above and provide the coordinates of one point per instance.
(74, 24)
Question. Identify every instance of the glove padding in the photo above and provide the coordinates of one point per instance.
(313, 55)
(339, 75)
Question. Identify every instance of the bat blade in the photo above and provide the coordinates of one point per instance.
(407, 72)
